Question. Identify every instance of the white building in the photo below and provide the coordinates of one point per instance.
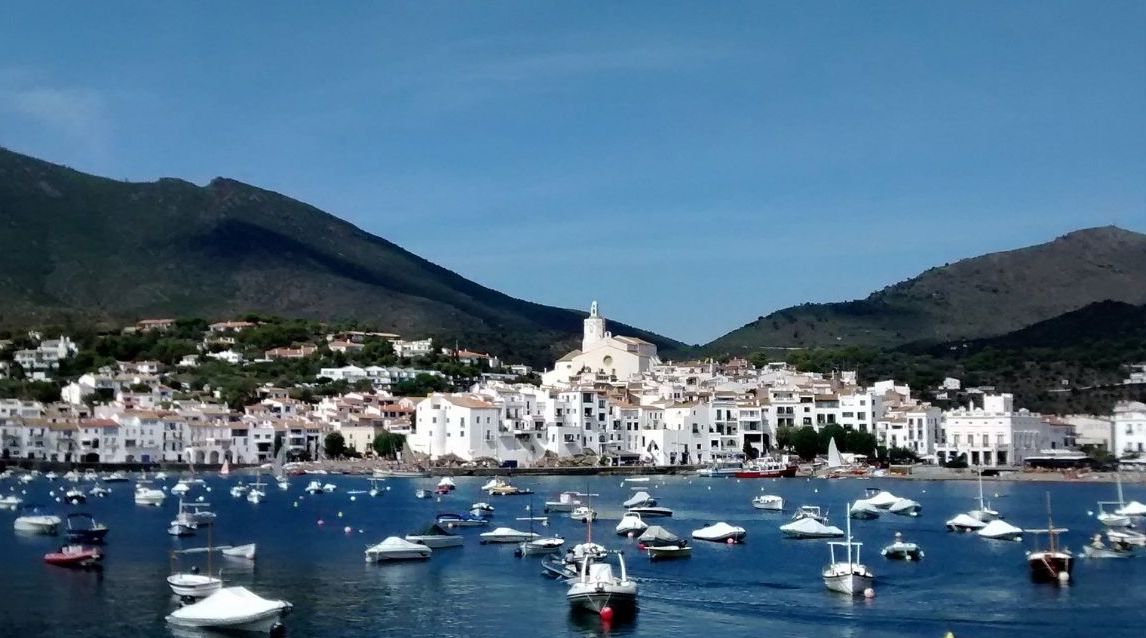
(602, 353)
(996, 434)
(415, 348)
(1129, 428)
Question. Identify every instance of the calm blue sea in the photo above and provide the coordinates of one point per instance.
(769, 586)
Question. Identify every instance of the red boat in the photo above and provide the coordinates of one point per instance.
(74, 556)
(767, 468)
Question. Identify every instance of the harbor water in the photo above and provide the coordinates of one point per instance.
(769, 585)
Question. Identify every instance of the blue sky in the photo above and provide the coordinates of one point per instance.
(690, 165)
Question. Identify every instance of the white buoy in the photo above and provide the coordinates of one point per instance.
(208, 488)
(869, 593)
(347, 529)
(630, 534)
(1063, 577)
(340, 515)
(296, 503)
(354, 498)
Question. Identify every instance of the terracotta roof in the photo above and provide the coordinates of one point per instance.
(469, 402)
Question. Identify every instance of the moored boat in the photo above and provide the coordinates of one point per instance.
(647, 511)
(810, 528)
(83, 528)
(769, 502)
(863, 510)
(598, 590)
(1001, 530)
(461, 520)
(660, 543)
(849, 577)
(720, 533)
(1050, 564)
(583, 513)
(506, 535)
(394, 549)
(74, 556)
(565, 502)
(246, 552)
(33, 522)
(965, 523)
(631, 524)
(902, 550)
(435, 536)
(232, 609)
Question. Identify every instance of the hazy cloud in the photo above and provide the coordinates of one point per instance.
(78, 115)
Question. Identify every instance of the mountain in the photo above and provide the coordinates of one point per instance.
(974, 298)
(76, 247)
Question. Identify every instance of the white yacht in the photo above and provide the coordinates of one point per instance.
(851, 576)
(394, 548)
(984, 513)
(257, 493)
(810, 528)
(180, 488)
(34, 523)
(965, 523)
(597, 589)
(1000, 530)
(147, 495)
(768, 502)
(231, 609)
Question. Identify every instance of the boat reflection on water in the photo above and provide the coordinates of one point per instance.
(622, 624)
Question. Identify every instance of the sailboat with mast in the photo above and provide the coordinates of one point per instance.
(851, 576)
(192, 584)
(256, 494)
(277, 468)
(1050, 565)
(1114, 516)
(538, 545)
(984, 514)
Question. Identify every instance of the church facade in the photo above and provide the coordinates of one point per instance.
(601, 352)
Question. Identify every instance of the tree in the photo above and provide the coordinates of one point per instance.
(806, 442)
(334, 445)
(750, 452)
(388, 444)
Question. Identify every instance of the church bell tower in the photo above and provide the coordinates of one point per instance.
(594, 329)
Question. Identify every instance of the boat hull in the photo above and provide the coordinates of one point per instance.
(261, 623)
(622, 599)
(1048, 567)
(436, 541)
(397, 555)
(850, 584)
(194, 585)
(668, 552)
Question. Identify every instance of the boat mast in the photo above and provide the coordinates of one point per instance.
(1118, 477)
(982, 507)
(1050, 525)
(849, 537)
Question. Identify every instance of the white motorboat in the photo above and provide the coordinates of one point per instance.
(1133, 508)
(1127, 536)
(99, 491)
(147, 495)
(198, 513)
(720, 533)
(180, 488)
(721, 469)
(461, 520)
(638, 479)
(597, 589)
(639, 499)
(768, 502)
(507, 535)
(482, 509)
(902, 550)
(583, 513)
(256, 493)
(394, 548)
(238, 490)
(880, 498)
(284, 484)
(631, 525)
(51, 476)
(435, 536)
(75, 496)
(863, 510)
(810, 511)
(246, 552)
(423, 494)
(984, 513)
(648, 511)
(193, 585)
(329, 487)
(175, 528)
(660, 543)
(1097, 549)
(161, 476)
(851, 576)
(46, 524)
(380, 473)
(10, 502)
(905, 507)
(567, 566)
(232, 609)
(446, 483)
(116, 477)
(565, 502)
(314, 487)
(493, 483)
(965, 523)
(1001, 530)
(540, 546)
(810, 528)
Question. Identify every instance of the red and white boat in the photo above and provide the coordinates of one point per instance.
(768, 468)
(74, 556)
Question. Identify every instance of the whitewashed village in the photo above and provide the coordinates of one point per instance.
(613, 401)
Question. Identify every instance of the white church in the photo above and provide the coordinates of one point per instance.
(602, 353)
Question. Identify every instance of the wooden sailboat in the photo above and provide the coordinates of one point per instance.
(1051, 564)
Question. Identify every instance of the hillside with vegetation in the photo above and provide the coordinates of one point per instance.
(975, 298)
(1073, 363)
(78, 250)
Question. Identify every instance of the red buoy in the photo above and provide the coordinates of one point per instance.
(606, 613)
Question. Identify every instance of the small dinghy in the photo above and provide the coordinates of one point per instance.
(446, 484)
(540, 546)
(394, 548)
(810, 528)
(99, 491)
(232, 609)
(246, 552)
(965, 523)
(75, 496)
(902, 550)
(482, 509)
(720, 533)
(1000, 530)
(583, 513)
(435, 536)
(74, 556)
(769, 502)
